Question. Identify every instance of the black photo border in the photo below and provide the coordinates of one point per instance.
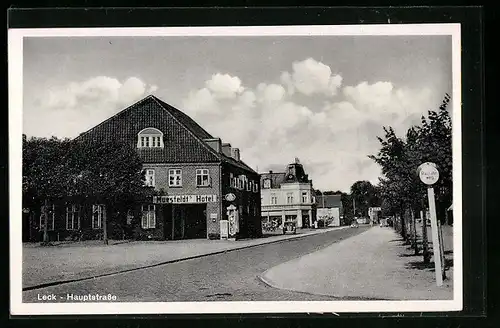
(473, 120)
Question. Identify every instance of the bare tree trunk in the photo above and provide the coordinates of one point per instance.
(441, 245)
(104, 225)
(425, 243)
(404, 229)
(414, 231)
(46, 223)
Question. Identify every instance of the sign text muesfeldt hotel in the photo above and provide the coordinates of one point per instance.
(184, 199)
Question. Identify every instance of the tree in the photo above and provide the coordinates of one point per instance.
(365, 195)
(109, 173)
(45, 174)
(399, 159)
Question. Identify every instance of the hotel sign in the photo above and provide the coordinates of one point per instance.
(185, 199)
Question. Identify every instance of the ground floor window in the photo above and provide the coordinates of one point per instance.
(98, 212)
(51, 210)
(148, 216)
(72, 217)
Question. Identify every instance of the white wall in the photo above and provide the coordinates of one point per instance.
(331, 215)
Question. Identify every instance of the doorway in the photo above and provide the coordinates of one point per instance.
(187, 221)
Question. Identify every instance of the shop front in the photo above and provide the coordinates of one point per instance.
(187, 216)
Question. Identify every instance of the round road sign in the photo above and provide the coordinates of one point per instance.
(230, 197)
(428, 173)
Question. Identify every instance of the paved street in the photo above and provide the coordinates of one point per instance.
(230, 276)
(373, 265)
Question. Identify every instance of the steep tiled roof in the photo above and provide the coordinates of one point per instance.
(331, 201)
(183, 137)
(239, 164)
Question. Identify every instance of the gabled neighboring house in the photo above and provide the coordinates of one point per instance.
(193, 169)
(329, 209)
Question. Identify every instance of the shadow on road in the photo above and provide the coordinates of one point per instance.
(420, 265)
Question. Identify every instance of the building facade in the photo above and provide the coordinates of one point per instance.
(288, 196)
(191, 171)
(329, 209)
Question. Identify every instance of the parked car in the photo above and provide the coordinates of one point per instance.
(354, 224)
(290, 226)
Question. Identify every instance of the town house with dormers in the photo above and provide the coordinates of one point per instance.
(192, 171)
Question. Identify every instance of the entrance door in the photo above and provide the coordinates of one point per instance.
(195, 221)
(186, 221)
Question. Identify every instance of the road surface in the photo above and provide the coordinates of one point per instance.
(231, 276)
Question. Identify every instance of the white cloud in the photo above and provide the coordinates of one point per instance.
(311, 77)
(270, 92)
(153, 88)
(332, 141)
(265, 121)
(224, 86)
(81, 105)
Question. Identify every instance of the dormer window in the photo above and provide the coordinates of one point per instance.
(150, 138)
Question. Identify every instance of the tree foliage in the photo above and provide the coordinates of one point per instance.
(399, 158)
(109, 173)
(364, 195)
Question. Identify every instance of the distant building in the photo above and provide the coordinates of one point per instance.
(288, 196)
(193, 170)
(329, 209)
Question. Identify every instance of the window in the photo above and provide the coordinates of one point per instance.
(150, 178)
(150, 138)
(243, 182)
(274, 199)
(98, 213)
(175, 178)
(255, 187)
(148, 217)
(304, 197)
(202, 178)
(51, 211)
(267, 183)
(249, 185)
(72, 217)
(289, 198)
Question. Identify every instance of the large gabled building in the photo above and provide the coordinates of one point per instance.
(193, 170)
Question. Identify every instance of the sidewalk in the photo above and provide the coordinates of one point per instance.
(372, 265)
(88, 259)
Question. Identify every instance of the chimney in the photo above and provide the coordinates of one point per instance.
(226, 149)
(235, 153)
(215, 143)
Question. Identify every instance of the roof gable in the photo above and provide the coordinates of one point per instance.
(330, 201)
(182, 137)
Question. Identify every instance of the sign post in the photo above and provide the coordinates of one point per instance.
(429, 175)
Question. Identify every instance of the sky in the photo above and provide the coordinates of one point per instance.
(322, 99)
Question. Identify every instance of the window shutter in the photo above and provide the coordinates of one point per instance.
(152, 223)
(144, 221)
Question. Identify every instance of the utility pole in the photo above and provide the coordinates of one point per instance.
(353, 205)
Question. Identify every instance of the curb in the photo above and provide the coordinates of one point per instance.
(62, 282)
(337, 298)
